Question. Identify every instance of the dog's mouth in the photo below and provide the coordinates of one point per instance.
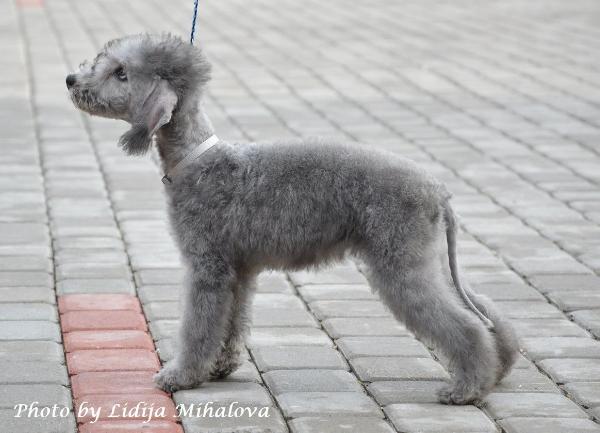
(85, 101)
(81, 99)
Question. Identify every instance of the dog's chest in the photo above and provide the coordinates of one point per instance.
(195, 214)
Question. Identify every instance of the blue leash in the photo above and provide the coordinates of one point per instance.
(194, 22)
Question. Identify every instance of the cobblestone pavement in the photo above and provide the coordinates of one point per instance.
(499, 99)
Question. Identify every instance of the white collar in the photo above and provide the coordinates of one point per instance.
(194, 154)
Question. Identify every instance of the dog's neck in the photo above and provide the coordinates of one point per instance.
(186, 130)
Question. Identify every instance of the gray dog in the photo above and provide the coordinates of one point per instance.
(238, 209)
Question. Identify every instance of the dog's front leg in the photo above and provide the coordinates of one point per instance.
(229, 358)
(206, 306)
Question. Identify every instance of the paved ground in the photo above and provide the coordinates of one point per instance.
(499, 99)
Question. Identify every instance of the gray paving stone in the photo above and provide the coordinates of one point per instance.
(23, 233)
(506, 405)
(158, 276)
(383, 368)
(353, 327)
(25, 278)
(158, 293)
(33, 249)
(45, 395)
(28, 311)
(547, 328)
(571, 301)
(546, 266)
(337, 275)
(10, 423)
(82, 285)
(298, 357)
(572, 370)
(33, 372)
(26, 263)
(595, 413)
(588, 319)
(425, 418)
(326, 292)
(548, 425)
(165, 348)
(350, 308)
(162, 310)
(87, 243)
(273, 282)
(280, 381)
(86, 230)
(509, 292)
(288, 317)
(405, 391)
(277, 300)
(355, 347)
(561, 283)
(152, 260)
(92, 270)
(339, 425)
(506, 277)
(560, 347)
(584, 393)
(309, 404)
(27, 294)
(139, 214)
(31, 351)
(74, 261)
(291, 336)
(526, 380)
(529, 310)
(163, 329)
(29, 330)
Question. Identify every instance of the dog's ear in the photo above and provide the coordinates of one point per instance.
(149, 112)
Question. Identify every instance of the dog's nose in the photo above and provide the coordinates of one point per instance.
(70, 80)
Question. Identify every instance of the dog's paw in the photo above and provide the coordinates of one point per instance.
(459, 393)
(228, 361)
(223, 368)
(173, 378)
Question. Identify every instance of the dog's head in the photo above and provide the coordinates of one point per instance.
(141, 79)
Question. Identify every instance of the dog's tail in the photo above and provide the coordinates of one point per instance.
(452, 261)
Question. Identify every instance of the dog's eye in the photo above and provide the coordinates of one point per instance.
(120, 74)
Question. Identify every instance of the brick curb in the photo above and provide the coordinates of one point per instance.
(111, 360)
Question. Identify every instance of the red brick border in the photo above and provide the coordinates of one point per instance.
(111, 360)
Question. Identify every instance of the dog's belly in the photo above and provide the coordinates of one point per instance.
(308, 256)
(295, 244)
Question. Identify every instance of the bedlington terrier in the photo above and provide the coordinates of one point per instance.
(238, 209)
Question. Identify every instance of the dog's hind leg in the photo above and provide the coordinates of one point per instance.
(230, 356)
(502, 331)
(414, 290)
(504, 334)
(206, 310)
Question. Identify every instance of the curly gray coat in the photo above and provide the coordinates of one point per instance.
(241, 208)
